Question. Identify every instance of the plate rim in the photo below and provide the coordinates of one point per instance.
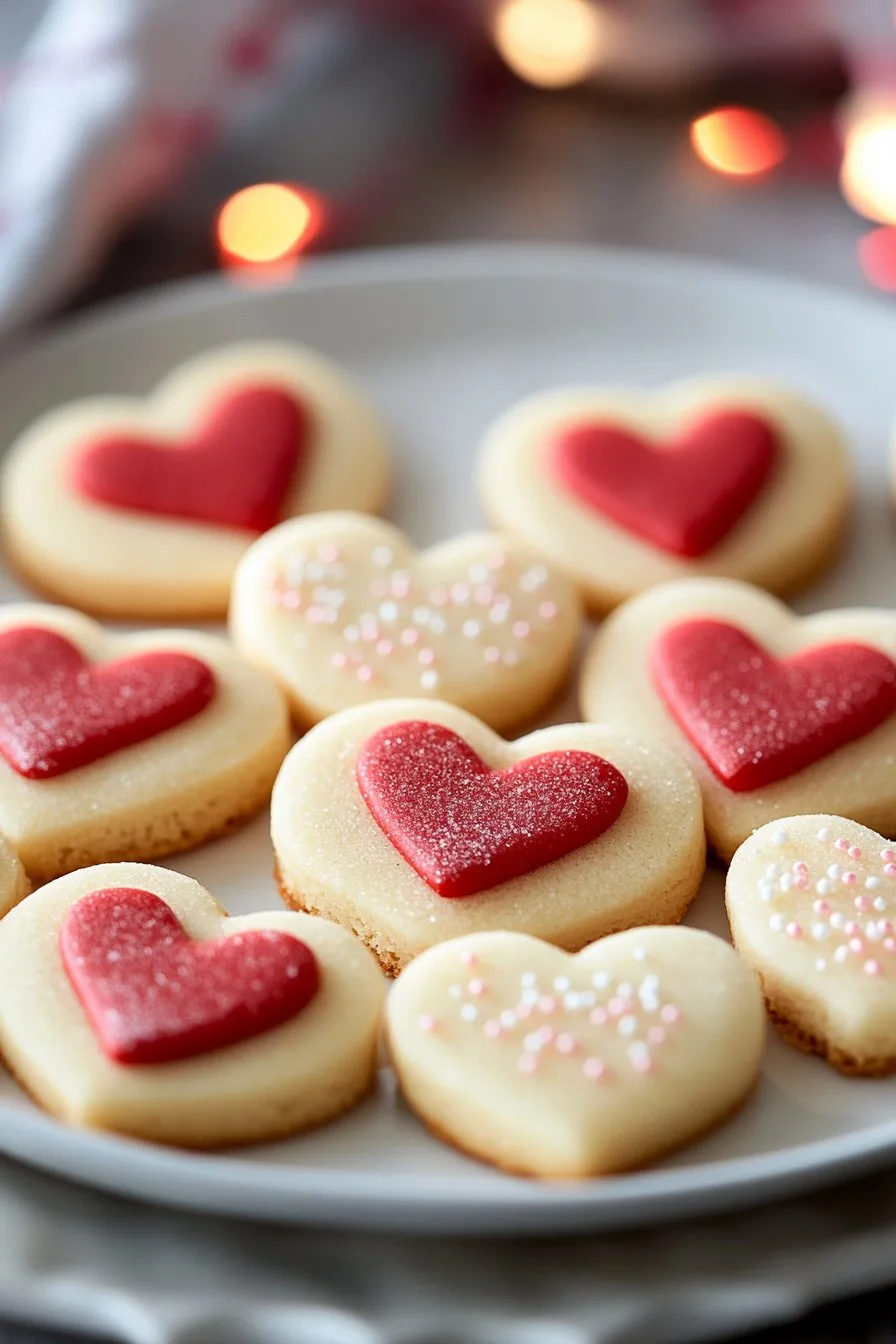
(243, 1188)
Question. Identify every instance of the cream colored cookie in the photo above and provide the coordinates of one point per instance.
(342, 610)
(207, 735)
(14, 884)
(315, 1061)
(812, 905)
(780, 533)
(759, 685)
(569, 1067)
(460, 848)
(119, 560)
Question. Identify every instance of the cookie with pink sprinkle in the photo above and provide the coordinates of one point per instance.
(812, 906)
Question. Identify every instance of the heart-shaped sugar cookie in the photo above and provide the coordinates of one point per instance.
(342, 610)
(624, 490)
(777, 714)
(126, 746)
(410, 822)
(129, 1001)
(560, 1066)
(812, 906)
(143, 508)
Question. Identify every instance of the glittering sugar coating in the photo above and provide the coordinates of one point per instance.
(195, 523)
(685, 496)
(304, 1068)
(207, 764)
(812, 905)
(564, 1066)
(785, 680)
(654, 514)
(343, 610)
(58, 712)
(757, 719)
(335, 859)
(154, 995)
(466, 828)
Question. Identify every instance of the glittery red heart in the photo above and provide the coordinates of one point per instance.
(756, 719)
(153, 994)
(684, 497)
(236, 470)
(464, 827)
(59, 712)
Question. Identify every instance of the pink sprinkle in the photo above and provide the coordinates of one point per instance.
(821, 907)
(890, 944)
(370, 633)
(364, 673)
(849, 879)
(477, 988)
(426, 657)
(566, 1043)
(438, 597)
(888, 855)
(641, 1063)
(854, 852)
(890, 870)
(545, 1035)
(546, 1004)
(523, 1010)
(856, 945)
(328, 553)
(292, 600)
(469, 958)
(656, 1035)
(670, 1013)
(491, 654)
(793, 930)
(594, 1068)
(400, 587)
(460, 592)
(378, 587)
(799, 867)
(851, 927)
(427, 1022)
(840, 843)
(521, 629)
(527, 1063)
(862, 903)
(384, 648)
(492, 1029)
(484, 595)
(410, 636)
(547, 610)
(338, 660)
(873, 967)
(616, 1007)
(598, 1016)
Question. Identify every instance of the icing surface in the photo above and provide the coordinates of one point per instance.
(59, 712)
(236, 470)
(757, 719)
(465, 827)
(686, 496)
(154, 995)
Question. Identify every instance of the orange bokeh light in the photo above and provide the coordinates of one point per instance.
(877, 257)
(738, 141)
(549, 43)
(868, 175)
(268, 224)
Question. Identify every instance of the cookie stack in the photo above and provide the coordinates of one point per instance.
(547, 1016)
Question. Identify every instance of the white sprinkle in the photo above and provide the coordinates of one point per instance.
(772, 871)
(389, 611)
(507, 1018)
(766, 891)
(776, 922)
(820, 964)
(628, 1025)
(880, 904)
(841, 954)
(835, 872)
(382, 555)
(820, 932)
(456, 991)
(780, 836)
(639, 954)
(561, 983)
(469, 1012)
(872, 932)
(587, 998)
(471, 629)
(823, 834)
(786, 882)
(528, 979)
(600, 979)
(429, 680)
(871, 883)
(530, 995)
(532, 1042)
(837, 920)
(823, 887)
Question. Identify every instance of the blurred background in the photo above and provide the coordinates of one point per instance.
(146, 140)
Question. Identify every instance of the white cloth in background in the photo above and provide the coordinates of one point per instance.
(148, 1276)
(102, 103)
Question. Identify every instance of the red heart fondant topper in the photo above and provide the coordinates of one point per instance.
(684, 497)
(153, 995)
(59, 712)
(466, 828)
(756, 719)
(236, 469)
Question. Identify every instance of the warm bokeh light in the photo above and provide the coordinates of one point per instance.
(738, 141)
(877, 257)
(551, 43)
(268, 224)
(868, 175)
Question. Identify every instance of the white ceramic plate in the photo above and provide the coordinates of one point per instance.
(443, 340)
